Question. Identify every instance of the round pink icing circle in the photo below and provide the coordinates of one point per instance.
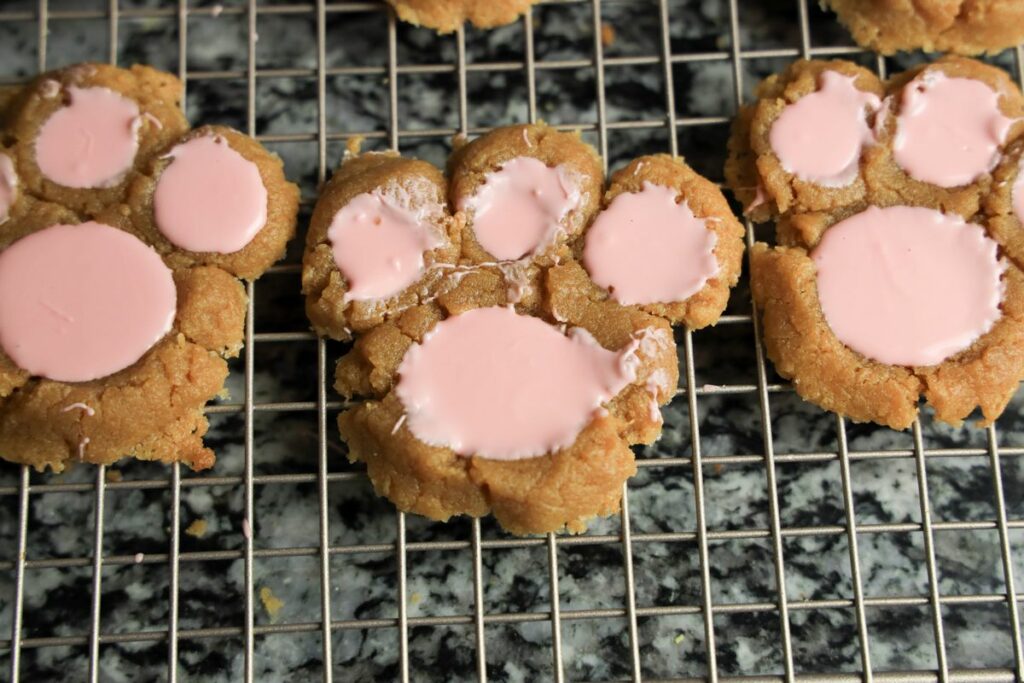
(209, 198)
(91, 142)
(8, 186)
(819, 137)
(517, 211)
(907, 285)
(499, 385)
(80, 302)
(379, 245)
(646, 248)
(949, 130)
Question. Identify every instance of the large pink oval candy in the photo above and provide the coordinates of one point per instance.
(949, 130)
(500, 385)
(518, 209)
(210, 197)
(908, 285)
(646, 248)
(378, 245)
(819, 137)
(92, 141)
(80, 302)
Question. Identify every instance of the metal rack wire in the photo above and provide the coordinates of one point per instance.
(782, 606)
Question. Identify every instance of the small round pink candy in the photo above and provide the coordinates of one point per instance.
(80, 302)
(378, 245)
(949, 130)
(907, 285)
(518, 209)
(91, 142)
(209, 198)
(646, 248)
(820, 136)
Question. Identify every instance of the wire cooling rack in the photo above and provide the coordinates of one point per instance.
(719, 625)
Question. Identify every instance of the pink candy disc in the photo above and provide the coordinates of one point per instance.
(92, 141)
(907, 285)
(210, 198)
(949, 130)
(646, 248)
(80, 302)
(378, 245)
(820, 136)
(518, 209)
(504, 386)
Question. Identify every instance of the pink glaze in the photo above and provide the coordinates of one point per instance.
(8, 187)
(92, 141)
(949, 130)
(819, 137)
(504, 386)
(760, 199)
(518, 209)
(80, 302)
(378, 245)
(907, 285)
(1017, 194)
(646, 248)
(210, 198)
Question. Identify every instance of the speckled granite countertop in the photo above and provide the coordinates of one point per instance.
(749, 634)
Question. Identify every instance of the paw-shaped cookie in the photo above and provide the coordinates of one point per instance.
(504, 377)
(959, 26)
(893, 286)
(120, 303)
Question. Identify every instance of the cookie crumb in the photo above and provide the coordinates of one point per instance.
(607, 34)
(114, 476)
(271, 603)
(416, 598)
(50, 88)
(353, 145)
(197, 529)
